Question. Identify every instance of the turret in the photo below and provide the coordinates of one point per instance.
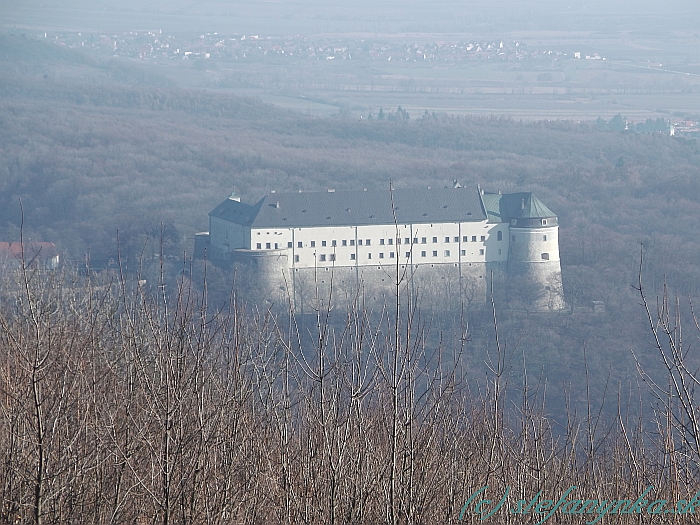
(534, 253)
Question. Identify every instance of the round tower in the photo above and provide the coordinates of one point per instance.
(534, 254)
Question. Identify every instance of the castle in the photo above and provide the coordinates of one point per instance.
(444, 244)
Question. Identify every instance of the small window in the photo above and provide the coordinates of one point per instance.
(473, 238)
(390, 241)
(381, 255)
(367, 242)
(381, 242)
(352, 256)
(415, 240)
(408, 255)
(483, 238)
(424, 240)
(499, 235)
(289, 244)
(332, 257)
(345, 242)
(277, 246)
(359, 242)
(258, 246)
(313, 244)
(545, 256)
(322, 257)
(434, 239)
(464, 252)
(369, 255)
(499, 251)
(300, 244)
(434, 253)
(267, 245)
(334, 243)
(447, 239)
(296, 258)
(391, 255)
(544, 222)
(323, 244)
(352, 242)
(544, 238)
(447, 253)
(456, 239)
(481, 251)
(465, 238)
(407, 240)
(423, 254)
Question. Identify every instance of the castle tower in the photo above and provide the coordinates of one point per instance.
(534, 253)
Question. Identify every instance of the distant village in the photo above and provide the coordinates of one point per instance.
(156, 45)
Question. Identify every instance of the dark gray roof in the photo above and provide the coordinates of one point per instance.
(349, 208)
(524, 205)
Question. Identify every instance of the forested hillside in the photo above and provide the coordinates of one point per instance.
(99, 150)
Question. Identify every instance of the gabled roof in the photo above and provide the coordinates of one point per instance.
(524, 205)
(350, 208)
(32, 250)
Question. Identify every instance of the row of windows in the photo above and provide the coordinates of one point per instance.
(331, 257)
(382, 242)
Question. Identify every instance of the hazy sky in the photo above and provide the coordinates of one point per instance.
(360, 16)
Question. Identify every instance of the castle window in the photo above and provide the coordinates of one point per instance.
(447, 253)
(544, 237)
(464, 252)
(334, 244)
(390, 241)
(456, 239)
(267, 245)
(352, 256)
(391, 255)
(323, 243)
(483, 238)
(407, 240)
(359, 242)
(300, 244)
(465, 238)
(473, 238)
(345, 242)
(545, 256)
(447, 239)
(424, 240)
(408, 255)
(332, 257)
(381, 255)
(423, 254)
(499, 235)
(481, 252)
(322, 257)
(352, 242)
(415, 240)
(369, 255)
(258, 246)
(296, 258)
(367, 242)
(289, 244)
(313, 244)
(434, 239)
(544, 222)
(381, 242)
(434, 253)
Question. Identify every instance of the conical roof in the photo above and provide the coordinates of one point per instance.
(509, 206)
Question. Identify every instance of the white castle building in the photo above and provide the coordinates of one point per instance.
(445, 242)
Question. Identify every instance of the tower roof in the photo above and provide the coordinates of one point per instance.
(523, 205)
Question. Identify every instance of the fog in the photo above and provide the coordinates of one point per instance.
(363, 16)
